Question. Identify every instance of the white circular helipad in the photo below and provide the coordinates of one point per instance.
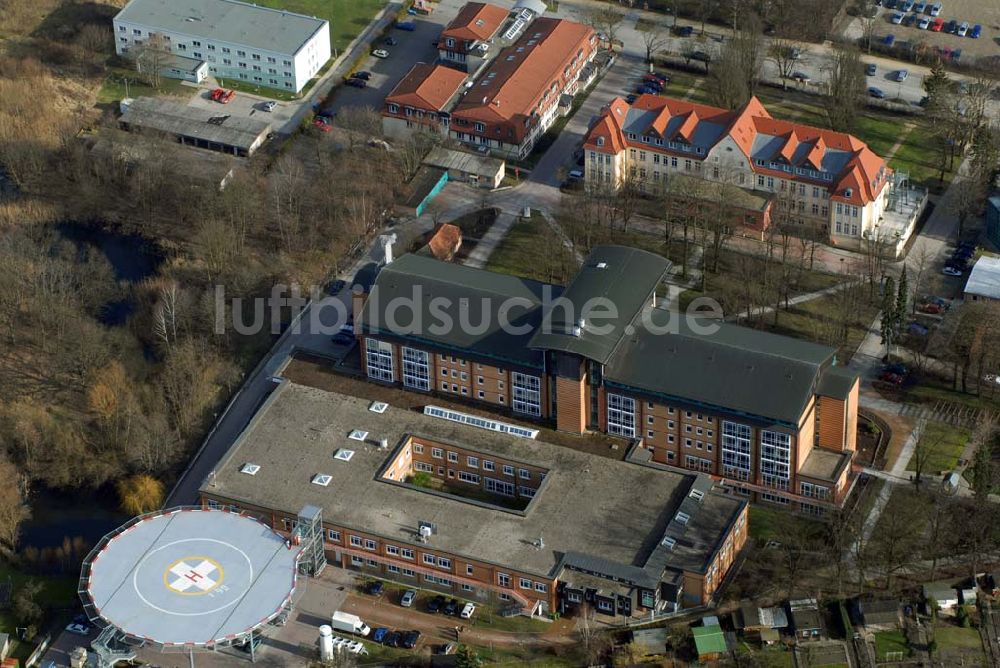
(190, 577)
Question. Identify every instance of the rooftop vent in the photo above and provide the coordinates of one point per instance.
(383, 443)
(577, 331)
(682, 518)
(321, 479)
(250, 469)
(357, 435)
(668, 542)
(378, 407)
(344, 454)
(602, 265)
(697, 494)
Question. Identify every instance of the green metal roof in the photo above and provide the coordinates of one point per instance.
(460, 295)
(737, 369)
(611, 287)
(228, 21)
(709, 640)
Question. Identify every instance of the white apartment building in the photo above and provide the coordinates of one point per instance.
(235, 40)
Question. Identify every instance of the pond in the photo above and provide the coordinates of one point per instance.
(132, 258)
(81, 516)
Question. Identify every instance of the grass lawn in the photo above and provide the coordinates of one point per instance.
(890, 641)
(951, 637)
(113, 88)
(58, 592)
(771, 523)
(945, 443)
(347, 17)
(532, 250)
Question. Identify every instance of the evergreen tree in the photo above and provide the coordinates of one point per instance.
(902, 299)
(937, 83)
(983, 474)
(888, 313)
(467, 658)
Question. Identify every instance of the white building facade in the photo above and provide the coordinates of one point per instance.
(237, 41)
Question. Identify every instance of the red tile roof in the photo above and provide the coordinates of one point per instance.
(864, 175)
(512, 88)
(475, 21)
(427, 87)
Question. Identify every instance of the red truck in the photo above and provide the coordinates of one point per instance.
(223, 96)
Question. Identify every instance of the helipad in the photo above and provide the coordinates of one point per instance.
(190, 577)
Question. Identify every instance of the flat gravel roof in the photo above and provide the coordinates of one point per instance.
(191, 576)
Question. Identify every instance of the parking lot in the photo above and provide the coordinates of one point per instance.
(983, 12)
(245, 104)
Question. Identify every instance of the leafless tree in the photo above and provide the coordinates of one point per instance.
(654, 39)
(846, 88)
(782, 53)
(151, 57)
(606, 19)
(361, 123)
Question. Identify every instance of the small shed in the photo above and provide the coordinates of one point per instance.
(462, 166)
(650, 641)
(445, 242)
(880, 613)
(984, 280)
(806, 619)
(945, 597)
(969, 596)
(710, 642)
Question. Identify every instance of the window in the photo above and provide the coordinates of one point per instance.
(698, 464)
(527, 492)
(736, 450)
(470, 478)
(372, 563)
(488, 465)
(392, 549)
(525, 583)
(444, 562)
(480, 127)
(621, 415)
(392, 568)
(500, 487)
(333, 536)
(453, 457)
(370, 544)
(417, 448)
(357, 561)
(430, 559)
(541, 587)
(773, 498)
(355, 541)
(508, 470)
(814, 491)
(526, 394)
(472, 462)
(406, 553)
(469, 569)
(421, 466)
(437, 453)
(775, 458)
(408, 572)
(503, 579)
(416, 369)
(379, 356)
(136, 31)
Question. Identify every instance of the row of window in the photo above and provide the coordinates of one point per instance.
(474, 462)
(197, 44)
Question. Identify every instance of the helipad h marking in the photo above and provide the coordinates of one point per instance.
(194, 576)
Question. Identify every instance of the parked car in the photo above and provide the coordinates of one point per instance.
(357, 83)
(364, 75)
(877, 93)
(380, 53)
(391, 41)
(468, 610)
(78, 629)
(393, 639)
(646, 89)
(379, 634)
(918, 330)
(410, 639)
(919, 6)
(897, 368)
(896, 19)
(936, 8)
(932, 309)
(223, 96)
(451, 607)
(408, 26)
(889, 4)
(447, 648)
(889, 40)
(871, 69)
(901, 75)
(924, 23)
(375, 588)
(976, 31)
(891, 378)
(269, 106)
(951, 271)
(322, 125)
(685, 31)
(435, 603)
(801, 76)
(963, 29)
(662, 79)
(656, 86)
(409, 596)
(951, 26)
(907, 5)
(909, 19)
(937, 25)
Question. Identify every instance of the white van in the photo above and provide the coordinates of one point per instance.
(344, 621)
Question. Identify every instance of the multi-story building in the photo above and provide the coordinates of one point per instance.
(465, 43)
(517, 96)
(508, 518)
(422, 100)
(828, 180)
(526, 72)
(239, 41)
(773, 417)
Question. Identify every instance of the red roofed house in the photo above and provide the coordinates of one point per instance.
(422, 100)
(465, 42)
(516, 98)
(829, 180)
